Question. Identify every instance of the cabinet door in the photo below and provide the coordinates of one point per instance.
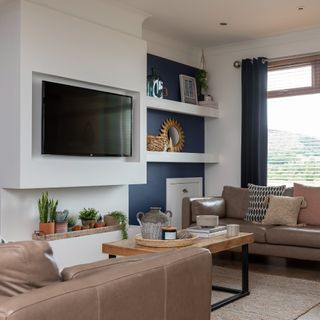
(177, 189)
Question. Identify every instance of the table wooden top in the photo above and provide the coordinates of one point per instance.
(214, 244)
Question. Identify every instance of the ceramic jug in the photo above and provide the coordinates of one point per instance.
(152, 222)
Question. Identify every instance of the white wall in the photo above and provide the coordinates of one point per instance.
(20, 218)
(171, 49)
(224, 135)
(20, 212)
(71, 42)
(105, 13)
(61, 45)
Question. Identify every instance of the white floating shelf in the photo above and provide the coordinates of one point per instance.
(153, 156)
(180, 107)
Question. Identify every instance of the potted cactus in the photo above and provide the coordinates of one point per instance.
(47, 213)
(61, 223)
(88, 217)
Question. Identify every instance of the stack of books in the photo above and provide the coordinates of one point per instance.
(206, 232)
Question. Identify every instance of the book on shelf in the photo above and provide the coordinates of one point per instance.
(206, 230)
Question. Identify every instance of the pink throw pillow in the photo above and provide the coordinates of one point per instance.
(311, 214)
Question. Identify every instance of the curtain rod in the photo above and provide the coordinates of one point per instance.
(237, 63)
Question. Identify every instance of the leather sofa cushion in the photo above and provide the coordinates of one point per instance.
(258, 230)
(288, 192)
(83, 270)
(311, 214)
(25, 266)
(212, 206)
(237, 201)
(295, 236)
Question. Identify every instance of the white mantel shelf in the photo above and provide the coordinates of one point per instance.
(180, 107)
(185, 157)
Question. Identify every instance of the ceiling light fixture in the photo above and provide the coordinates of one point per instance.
(223, 23)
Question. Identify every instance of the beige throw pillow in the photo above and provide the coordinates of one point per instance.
(283, 210)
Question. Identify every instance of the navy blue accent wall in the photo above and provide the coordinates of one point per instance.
(142, 197)
(153, 194)
(169, 72)
(193, 128)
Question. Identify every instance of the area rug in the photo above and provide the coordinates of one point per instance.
(272, 297)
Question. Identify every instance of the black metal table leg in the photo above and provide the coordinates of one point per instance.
(238, 293)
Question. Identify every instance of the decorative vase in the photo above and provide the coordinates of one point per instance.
(47, 228)
(88, 223)
(152, 222)
(154, 85)
(61, 227)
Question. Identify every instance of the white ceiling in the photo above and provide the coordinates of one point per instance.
(196, 22)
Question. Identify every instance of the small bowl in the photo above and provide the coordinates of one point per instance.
(207, 220)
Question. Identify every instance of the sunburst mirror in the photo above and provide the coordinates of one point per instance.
(172, 131)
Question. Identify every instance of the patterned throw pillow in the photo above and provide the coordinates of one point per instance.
(257, 195)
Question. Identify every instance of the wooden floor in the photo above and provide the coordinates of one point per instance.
(308, 270)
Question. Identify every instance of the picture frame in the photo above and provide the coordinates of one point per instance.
(188, 89)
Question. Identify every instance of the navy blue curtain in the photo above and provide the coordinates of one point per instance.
(254, 138)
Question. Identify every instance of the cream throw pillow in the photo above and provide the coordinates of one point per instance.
(283, 210)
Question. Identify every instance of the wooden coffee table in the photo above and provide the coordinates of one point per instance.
(214, 245)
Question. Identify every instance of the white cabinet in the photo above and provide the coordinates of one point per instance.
(177, 189)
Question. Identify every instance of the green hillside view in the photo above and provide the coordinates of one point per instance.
(293, 157)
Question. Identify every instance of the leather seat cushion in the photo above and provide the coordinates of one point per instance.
(259, 231)
(237, 201)
(213, 206)
(308, 236)
(25, 266)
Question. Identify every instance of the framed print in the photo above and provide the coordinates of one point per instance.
(188, 89)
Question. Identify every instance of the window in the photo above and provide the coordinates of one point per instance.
(294, 121)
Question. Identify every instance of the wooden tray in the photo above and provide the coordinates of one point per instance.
(164, 243)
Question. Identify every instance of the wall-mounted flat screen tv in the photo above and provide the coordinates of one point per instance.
(84, 122)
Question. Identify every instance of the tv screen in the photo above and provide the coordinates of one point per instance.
(85, 122)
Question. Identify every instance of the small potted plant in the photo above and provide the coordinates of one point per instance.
(202, 78)
(47, 213)
(99, 223)
(88, 217)
(72, 221)
(61, 225)
(202, 83)
(117, 217)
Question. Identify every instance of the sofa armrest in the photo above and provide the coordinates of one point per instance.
(216, 203)
(174, 285)
(83, 270)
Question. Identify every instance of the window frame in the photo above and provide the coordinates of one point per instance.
(313, 61)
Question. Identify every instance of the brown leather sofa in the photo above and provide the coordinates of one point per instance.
(172, 285)
(282, 241)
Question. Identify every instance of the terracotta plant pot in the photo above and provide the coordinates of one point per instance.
(110, 221)
(99, 225)
(61, 227)
(76, 228)
(47, 228)
(89, 223)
